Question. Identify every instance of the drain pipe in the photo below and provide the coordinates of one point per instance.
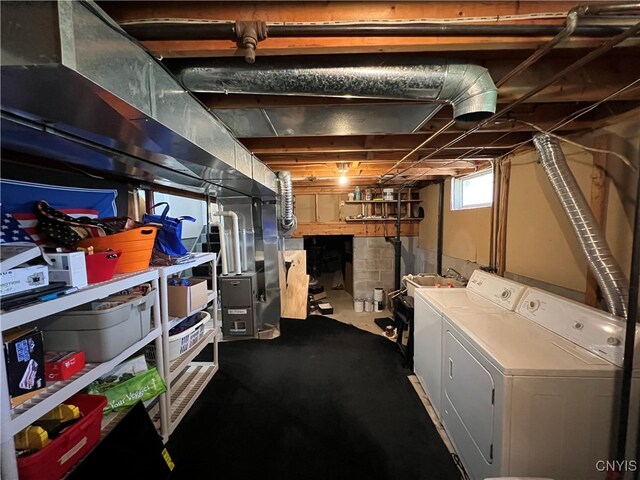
(288, 220)
(608, 274)
(236, 239)
(223, 248)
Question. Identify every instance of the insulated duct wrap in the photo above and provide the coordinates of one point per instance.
(610, 278)
(469, 88)
(287, 218)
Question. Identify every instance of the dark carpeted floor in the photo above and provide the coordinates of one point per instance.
(324, 401)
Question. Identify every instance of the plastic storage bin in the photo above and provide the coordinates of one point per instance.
(101, 266)
(100, 329)
(136, 245)
(57, 458)
(183, 341)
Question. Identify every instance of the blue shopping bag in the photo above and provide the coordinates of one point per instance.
(169, 237)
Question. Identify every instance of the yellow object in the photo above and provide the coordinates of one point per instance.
(63, 413)
(31, 438)
(167, 458)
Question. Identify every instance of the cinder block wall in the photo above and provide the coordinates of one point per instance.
(373, 263)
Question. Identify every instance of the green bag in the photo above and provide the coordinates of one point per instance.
(143, 386)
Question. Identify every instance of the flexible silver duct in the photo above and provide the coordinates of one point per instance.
(469, 88)
(287, 218)
(608, 274)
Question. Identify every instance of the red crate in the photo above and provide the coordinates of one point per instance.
(101, 266)
(57, 458)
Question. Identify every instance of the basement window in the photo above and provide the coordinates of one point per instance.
(472, 191)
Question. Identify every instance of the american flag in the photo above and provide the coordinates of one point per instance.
(11, 231)
(20, 199)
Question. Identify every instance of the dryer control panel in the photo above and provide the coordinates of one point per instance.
(500, 291)
(597, 331)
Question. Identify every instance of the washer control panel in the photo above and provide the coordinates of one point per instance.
(500, 291)
(597, 331)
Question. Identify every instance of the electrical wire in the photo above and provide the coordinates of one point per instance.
(621, 157)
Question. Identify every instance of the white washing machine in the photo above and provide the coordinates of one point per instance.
(484, 292)
(532, 393)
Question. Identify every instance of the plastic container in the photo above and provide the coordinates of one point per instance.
(387, 193)
(358, 305)
(183, 341)
(136, 246)
(101, 266)
(57, 458)
(100, 330)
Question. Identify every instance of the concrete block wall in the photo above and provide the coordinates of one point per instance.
(373, 263)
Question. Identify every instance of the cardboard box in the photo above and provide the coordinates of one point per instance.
(62, 365)
(182, 301)
(20, 279)
(24, 357)
(70, 268)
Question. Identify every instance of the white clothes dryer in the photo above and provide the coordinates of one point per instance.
(484, 292)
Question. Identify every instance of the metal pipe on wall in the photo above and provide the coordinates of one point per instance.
(190, 29)
(440, 228)
(629, 341)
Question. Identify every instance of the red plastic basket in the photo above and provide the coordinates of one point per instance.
(102, 266)
(57, 458)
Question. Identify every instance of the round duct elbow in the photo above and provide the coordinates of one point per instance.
(471, 91)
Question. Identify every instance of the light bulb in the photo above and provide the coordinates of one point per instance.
(342, 180)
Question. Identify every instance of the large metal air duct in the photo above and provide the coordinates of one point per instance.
(469, 88)
(608, 274)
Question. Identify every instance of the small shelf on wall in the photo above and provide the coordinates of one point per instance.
(379, 219)
(382, 201)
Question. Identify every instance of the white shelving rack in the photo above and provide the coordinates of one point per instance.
(185, 378)
(12, 420)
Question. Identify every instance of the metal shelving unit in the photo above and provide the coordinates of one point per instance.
(186, 379)
(15, 419)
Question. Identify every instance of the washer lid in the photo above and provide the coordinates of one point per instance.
(517, 346)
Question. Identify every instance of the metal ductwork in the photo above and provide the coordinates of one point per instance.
(467, 87)
(608, 274)
(76, 89)
(288, 220)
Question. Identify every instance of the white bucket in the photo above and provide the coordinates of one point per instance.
(378, 294)
(358, 305)
(368, 304)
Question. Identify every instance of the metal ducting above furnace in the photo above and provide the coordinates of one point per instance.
(467, 87)
(76, 89)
